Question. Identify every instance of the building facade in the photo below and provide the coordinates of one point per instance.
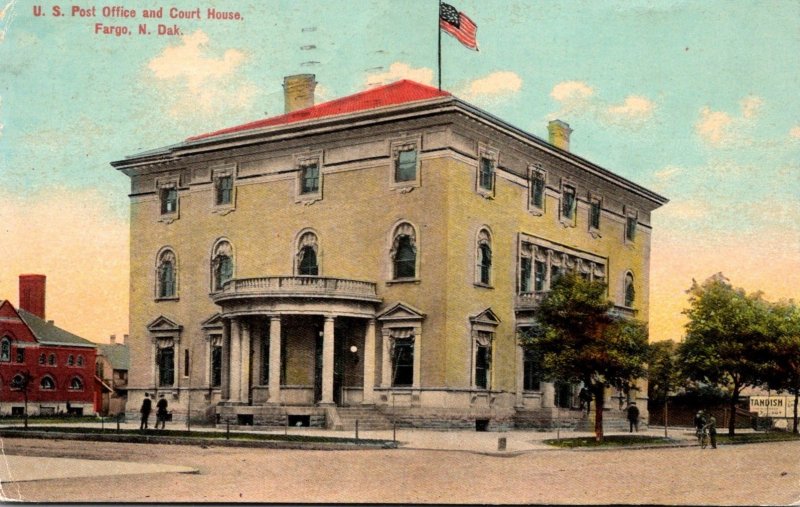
(113, 362)
(56, 366)
(378, 251)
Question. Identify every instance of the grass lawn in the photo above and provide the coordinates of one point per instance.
(217, 435)
(747, 438)
(610, 441)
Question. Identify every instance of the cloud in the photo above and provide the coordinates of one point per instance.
(497, 85)
(720, 129)
(668, 173)
(197, 81)
(398, 71)
(578, 98)
(794, 133)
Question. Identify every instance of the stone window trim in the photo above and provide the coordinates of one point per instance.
(486, 152)
(631, 225)
(165, 333)
(567, 212)
(305, 240)
(483, 330)
(559, 256)
(536, 173)
(400, 322)
(48, 383)
(301, 163)
(222, 248)
(166, 254)
(163, 185)
(484, 274)
(217, 175)
(213, 330)
(403, 228)
(595, 202)
(409, 143)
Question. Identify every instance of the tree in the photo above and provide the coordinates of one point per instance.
(727, 338)
(663, 374)
(23, 381)
(578, 340)
(784, 373)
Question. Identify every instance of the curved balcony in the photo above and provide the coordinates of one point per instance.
(297, 287)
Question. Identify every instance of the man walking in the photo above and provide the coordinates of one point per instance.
(161, 411)
(711, 426)
(147, 406)
(633, 417)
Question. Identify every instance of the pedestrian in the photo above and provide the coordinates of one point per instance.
(711, 426)
(633, 417)
(161, 412)
(147, 406)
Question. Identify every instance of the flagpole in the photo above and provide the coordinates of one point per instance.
(439, 27)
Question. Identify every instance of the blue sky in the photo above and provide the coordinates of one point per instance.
(696, 100)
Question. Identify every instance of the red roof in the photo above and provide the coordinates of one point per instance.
(395, 93)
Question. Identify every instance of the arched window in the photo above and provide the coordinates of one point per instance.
(52, 360)
(221, 264)
(166, 274)
(71, 360)
(630, 292)
(5, 350)
(42, 359)
(47, 383)
(80, 360)
(404, 252)
(76, 384)
(18, 382)
(307, 258)
(484, 258)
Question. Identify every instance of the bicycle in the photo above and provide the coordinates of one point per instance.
(703, 437)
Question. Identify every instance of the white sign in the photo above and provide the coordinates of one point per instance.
(772, 406)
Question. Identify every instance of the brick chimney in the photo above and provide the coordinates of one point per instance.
(298, 91)
(32, 294)
(559, 134)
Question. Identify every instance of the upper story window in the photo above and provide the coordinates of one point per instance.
(595, 207)
(405, 168)
(169, 204)
(51, 360)
(80, 360)
(405, 163)
(70, 360)
(47, 383)
(536, 180)
(42, 359)
(223, 179)
(20, 381)
(483, 257)
(221, 264)
(568, 204)
(169, 200)
(166, 278)
(487, 166)
(630, 292)
(404, 252)
(539, 275)
(5, 349)
(76, 384)
(486, 174)
(307, 260)
(224, 190)
(20, 355)
(309, 177)
(631, 221)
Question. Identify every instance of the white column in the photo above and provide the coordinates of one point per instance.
(226, 360)
(245, 368)
(386, 360)
(519, 402)
(327, 362)
(275, 359)
(548, 395)
(415, 382)
(236, 361)
(369, 363)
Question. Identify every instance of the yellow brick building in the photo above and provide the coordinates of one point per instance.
(367, 258)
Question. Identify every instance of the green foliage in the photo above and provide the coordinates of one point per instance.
(663, 374)
(784, 367)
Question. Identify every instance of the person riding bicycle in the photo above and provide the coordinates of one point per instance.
(699, 422)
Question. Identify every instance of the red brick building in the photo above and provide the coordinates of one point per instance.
(60, 366)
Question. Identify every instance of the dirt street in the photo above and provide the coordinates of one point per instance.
(742, 474)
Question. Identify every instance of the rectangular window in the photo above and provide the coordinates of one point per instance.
(224, 190)
(483, 361)
(310, 179)
(594, 215)
(531, 372)
(486, 179)
(185, 362)
(216, 366)
(568, 203)
(630, 229)
(405, 168)
(555, 272)
(540, 272)
(20, 355)
(525, 274)
(403, 362)
(169, 200)
(166, 367)
(537, 191)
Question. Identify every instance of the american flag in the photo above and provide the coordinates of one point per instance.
(458, 25)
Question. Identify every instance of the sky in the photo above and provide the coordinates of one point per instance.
(696, 100)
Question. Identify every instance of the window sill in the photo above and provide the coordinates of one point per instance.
(486, 194)
(308, 199)
(168, 218)
(404, 187)
(565, 222)
(171, 298)
(595, 233)
(223, 209)
(483, 285)
(403, 280)
(537, 212)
